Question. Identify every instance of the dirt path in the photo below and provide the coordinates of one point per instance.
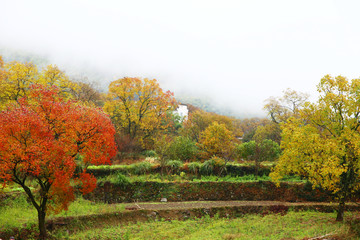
(212, 204)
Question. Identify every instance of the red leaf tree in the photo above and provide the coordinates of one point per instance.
(41, 140)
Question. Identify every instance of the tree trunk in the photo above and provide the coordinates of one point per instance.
(42, 227)
(341, 209)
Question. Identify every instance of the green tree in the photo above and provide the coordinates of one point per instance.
(266, 150)
(183, 148)
(323, 144)
(162, 146)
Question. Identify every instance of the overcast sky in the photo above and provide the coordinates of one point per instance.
(237, 52)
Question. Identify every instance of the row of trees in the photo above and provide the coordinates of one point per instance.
(50, 126)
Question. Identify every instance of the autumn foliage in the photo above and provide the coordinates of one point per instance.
(139, 107)
(323, 142)
(40, 139)
(217, 140)
(16, 79)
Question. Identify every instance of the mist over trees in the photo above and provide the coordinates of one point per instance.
(141, 117)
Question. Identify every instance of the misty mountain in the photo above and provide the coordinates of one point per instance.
(86, 73)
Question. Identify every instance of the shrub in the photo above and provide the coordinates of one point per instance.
(215, 165)
(174, 165)
(183, 148)
(194, 167)
(207, 167)
(141, 168)
(122, 180)
(150, 153)
(219, 165)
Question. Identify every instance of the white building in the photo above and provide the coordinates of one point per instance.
(182, 111)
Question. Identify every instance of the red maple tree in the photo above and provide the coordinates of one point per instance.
(41, 140)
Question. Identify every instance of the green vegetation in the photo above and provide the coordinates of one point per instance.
(122, 179)
(183, 148)
(294, 225)
(17, 211)
(213, 166)
(199, 156)
(174, 165)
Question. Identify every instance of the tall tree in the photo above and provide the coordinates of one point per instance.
(249, 126)
(40, 138)
(259, 151)
(323, 143)
(16, 79)
(87, 93)
(138, 108)
(217, 140)
(281, 109)
(199, 120)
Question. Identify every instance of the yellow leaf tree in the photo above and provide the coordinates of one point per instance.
(16, 79)
(139, 108)
(199, 120)
(280, 109)
(53, 76)
(217, 140)
(323, 143)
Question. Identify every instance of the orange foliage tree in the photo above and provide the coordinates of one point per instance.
(40, 139)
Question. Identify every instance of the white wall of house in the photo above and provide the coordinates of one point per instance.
(182, 111)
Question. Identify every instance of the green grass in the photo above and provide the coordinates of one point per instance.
(84, 207)
(294, 225)
(246, 178)
(113, 178)
(15, 213)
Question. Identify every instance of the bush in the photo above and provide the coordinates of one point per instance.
(219, 165)
(122, 180)
(194, 167)
(150, 153)
(232, 169)
(215, 165)
(141, 168)
(207, 167)
(183, 148)
(174, 166)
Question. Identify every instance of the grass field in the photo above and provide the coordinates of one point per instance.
(294, 225)
(17, 213)
(14, 213)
